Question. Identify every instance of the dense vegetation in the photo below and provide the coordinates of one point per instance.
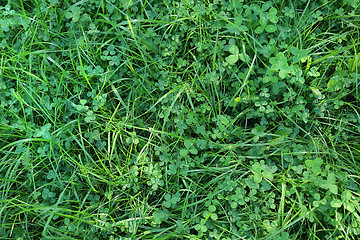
(168, 119)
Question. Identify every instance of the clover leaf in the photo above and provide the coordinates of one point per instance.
(171, 200)
(234, 57)
(188, 144)
(189, 147)
(172, 169)
(259, 29)
(201, 143)
(299, 55)
(272, 15)
(238, 20)
(51, 175)
(270, 28)
(81, 106)
(314, 165)
(183, 152)
(47, 194)
(258, 132)
(313, 72)
(44, 132)
(43, 151)
(279, 63)
(347, 200)
(336, 203)
(260, 171)
(74, 14)
(90, 116)
(160, 216)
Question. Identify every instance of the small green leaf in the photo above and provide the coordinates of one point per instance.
(256, 8)
(284, 132)
(51, 175)
(346, 196)
(193, 151)
(314, 165)
(234, 50)
(214, 216)
(267, 174)
(336, 203)
(184, 152)
(260, 29)
(298, 54)
(201, 143)
(232, 59)
(266, 6)
(238, 20)
(313, 72)
(244, 57)
(188, 143)
(349, 206)
(316, 92)
(317, 196)
(333, 189)
(44, 132)
(272, 15)
(212, 208)
(279, 63)
(257, 177)
(201, 130)
(270, 28)
(263, 19)
(331, 178)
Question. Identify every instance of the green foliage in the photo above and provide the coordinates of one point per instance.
(179, 119)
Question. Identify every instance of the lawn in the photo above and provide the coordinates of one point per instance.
(180, 119)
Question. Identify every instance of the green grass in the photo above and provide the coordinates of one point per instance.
(179, 119)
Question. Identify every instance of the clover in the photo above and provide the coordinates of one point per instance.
(73, 14)
(279, 63)
(44, 132)
(236, 55)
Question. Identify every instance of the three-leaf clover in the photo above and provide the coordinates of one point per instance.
(160, 216)
(279, 63)
(260, 171)
(171, 200)
(329, 183)
(81, 106)
(74, 14)
(44, 132)
(299, 54)
(189, 145)
(47, 194)
(314, 165)
(201, 143)
(313, 72)
(258, 132)
(236, 55)
(90, 116)
(265, 17)
(43, 150)
(51, 175)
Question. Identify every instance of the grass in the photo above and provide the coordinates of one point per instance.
(179, 120)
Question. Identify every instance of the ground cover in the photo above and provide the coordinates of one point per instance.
(190, 119)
